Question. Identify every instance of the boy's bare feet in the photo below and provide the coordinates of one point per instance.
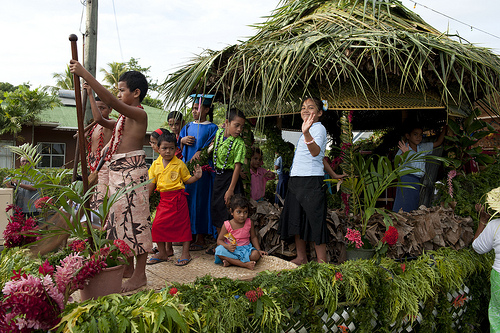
(298, 261)
(226, 263)
(134, 283)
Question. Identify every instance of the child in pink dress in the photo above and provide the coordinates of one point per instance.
(237, 242)
(259, 175)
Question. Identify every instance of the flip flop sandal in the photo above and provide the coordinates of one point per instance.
(154, 261)
(183, 262)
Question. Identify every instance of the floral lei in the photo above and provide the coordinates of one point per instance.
(218, 142)
(93, 165)
(115, 140)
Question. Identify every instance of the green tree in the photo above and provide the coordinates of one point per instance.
(22, 107)
(63, 80)
(112, 75)
(7, 87)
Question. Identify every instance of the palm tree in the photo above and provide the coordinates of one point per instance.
(111, 76)
(63, 80)
(358, 54)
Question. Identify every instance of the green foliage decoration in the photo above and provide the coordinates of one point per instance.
(387, 294)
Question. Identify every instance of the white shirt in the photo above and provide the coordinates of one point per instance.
(304, 164)
(489, 240)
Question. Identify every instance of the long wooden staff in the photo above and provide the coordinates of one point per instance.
(76, 160)
(81, 135)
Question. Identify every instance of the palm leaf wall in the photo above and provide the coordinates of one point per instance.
(357, 54)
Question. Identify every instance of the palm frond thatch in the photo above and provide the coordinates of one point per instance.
(339, 49)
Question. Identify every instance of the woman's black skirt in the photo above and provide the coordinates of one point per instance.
(304, 212)
(220, 212)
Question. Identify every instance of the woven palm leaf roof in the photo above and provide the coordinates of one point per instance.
(361, 55)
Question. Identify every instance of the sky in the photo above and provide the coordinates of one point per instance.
(166, 34)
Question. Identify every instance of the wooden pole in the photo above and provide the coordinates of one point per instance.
(90, 47)
(81, 135)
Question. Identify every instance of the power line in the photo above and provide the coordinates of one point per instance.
(117, 32)
(454, 19)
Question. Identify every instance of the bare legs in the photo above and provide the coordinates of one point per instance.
(138, 278)
(301, 258)
(254, 257)
(165, 250)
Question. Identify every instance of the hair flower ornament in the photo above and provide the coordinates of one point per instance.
(325, 105)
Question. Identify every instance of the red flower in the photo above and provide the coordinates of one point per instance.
(41, 202)
(259, 292)
(173, 291)
(123, 247)
(403, 267)
(343, 328)
(18, 275)
(251, 295)
(77, 245)
(207, 167)
(339, 276)
(46, 268)
(391, 236)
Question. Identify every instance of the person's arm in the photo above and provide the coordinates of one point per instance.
(330, 171)
(440, 138)
(269, 175)
(313, 147)
(28, 187)
(234, 180)
(255, 240)
(129, 111)
(151, 187)
(221, 240)
(96, 113)
(196, 175)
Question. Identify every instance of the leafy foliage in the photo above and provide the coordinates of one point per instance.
(467, 132)
(23, 106)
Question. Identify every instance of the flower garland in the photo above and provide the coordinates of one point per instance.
(116, 139)
(93, 164)
(216, 148)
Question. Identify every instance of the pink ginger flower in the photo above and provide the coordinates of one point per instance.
(53, 291)
(64, 273)
(354, 236)
(46, 268)
(339, 276)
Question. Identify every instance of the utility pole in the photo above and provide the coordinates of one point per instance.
(90, 47)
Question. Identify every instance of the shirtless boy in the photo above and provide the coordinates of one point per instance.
(129, 217)
(98, 137)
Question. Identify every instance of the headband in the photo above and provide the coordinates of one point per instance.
(159, 131)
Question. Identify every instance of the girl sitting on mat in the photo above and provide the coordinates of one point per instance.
(171, 223)
(237, 242)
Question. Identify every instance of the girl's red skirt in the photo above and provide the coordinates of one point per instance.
(171, 223)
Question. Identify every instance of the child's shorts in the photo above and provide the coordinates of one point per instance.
(242, 253)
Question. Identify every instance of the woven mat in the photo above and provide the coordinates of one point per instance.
(163, 274)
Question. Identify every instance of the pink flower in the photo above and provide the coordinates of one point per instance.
(339, 276)
(173, 291)
(19, 231)
(259, 292)
(349, 117)
(64, 274)
(46, 268)
(207, 167)
(345, 200)
(354, 236)
(391, 236)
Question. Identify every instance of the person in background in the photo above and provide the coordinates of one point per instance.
(25, 193)
(176, 123)
(259, 175)
(407, 198)
(194, 137)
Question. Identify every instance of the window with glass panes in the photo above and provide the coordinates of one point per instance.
(150, 155)
(52, 154)
(6, 156)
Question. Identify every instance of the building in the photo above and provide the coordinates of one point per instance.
(54, 135)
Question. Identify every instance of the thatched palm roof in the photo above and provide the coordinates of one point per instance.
(357, 54)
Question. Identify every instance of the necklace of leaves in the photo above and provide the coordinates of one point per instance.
(216, 148)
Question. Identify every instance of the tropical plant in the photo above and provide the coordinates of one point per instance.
(112, 75)
(372, 176)
(63, 80)
(22, 107)
(467, 132)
